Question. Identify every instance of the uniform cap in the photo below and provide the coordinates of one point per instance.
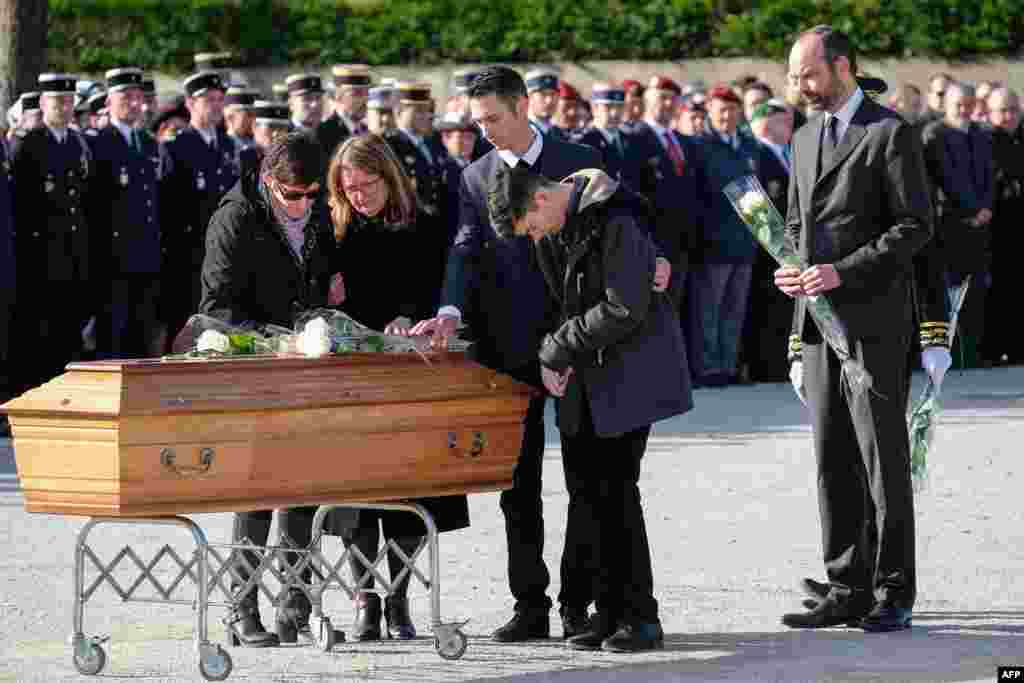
(606, 93)
(380, 98)
(413, 93)
(197, 84)
(124, 78)
(271, 113)
(29, 101)
(213, 60)
(724, 93)
(541, 79)
(567, 92)
(351, 76)
(298, 84)
(57, 84)
(664, 83)
(239, 98)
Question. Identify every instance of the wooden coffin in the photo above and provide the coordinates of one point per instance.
(155, 437)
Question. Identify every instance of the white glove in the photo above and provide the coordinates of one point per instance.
(936, 360)
(796, 378)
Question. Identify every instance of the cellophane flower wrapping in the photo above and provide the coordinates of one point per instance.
(209, 337)
(768, 227)
(325, 330)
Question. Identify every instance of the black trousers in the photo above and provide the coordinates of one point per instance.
(129, 323)
(606, 521)
(295, 525)
(46, 333)
(863, 455)
(528, 576)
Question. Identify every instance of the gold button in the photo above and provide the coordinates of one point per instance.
(35, 234)
(149, 202)
(117, 234)
(145, 187)
(72, 209)
(74, 228)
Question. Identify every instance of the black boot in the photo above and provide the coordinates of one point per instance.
(396, 605)
(293, 617)
(368, 614)
(600, 626)
(245, 627)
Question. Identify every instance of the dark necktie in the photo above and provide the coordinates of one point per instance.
(135, 141)
(674, 153)
(830, 140)
(522, 163)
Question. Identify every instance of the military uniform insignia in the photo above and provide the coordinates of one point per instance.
(123, 178)
(200, 181)
(49, 184)
(157, 169)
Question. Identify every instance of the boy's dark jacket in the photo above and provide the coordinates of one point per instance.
(621, 338)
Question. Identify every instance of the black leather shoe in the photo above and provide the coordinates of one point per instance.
(574, 621)
(601, 627)
(816, 590)
(832, 611)
(396, 615)
(368, 614)
(887, 617)
(293, 617)
(635, 638)
(526, 624)
(245, 628)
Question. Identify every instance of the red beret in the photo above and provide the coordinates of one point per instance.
(629, 85)
(567, 92)
(725, 93)
(664, 83)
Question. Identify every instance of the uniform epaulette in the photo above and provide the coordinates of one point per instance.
(934, 334)
(796, 347)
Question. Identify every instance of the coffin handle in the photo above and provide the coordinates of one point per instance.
(476, 447)
(169, 460)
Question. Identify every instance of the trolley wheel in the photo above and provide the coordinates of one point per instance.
(90, 658)
(214, 663)
(452, 647)
(327, 637)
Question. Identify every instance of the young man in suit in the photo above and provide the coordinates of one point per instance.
(859, 211)
(501, 293)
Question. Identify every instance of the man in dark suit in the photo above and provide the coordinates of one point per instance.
(351, 93)
(495, 285)
(859, 211)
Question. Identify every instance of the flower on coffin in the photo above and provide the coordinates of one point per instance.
(315, 339)
(751, 203)
(212, 340)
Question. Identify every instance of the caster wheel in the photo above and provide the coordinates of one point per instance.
(215, 663)
(452, 647)
(327, 637)
(89, 658)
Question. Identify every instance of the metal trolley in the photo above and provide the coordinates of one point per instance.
(210, 569)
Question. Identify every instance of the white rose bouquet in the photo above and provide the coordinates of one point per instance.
(768, 227)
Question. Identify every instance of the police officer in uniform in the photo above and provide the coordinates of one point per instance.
(542, 90)
(609, 103)
(459, 104)
(380, 113)
(351, 92)
(270, 121)
(422, 159)
(125, 220)
(238, 115)
(52, 169)
(306, 100)
(204, 166)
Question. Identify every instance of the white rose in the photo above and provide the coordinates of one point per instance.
(751, 202)
(212, 340)
(315, 340)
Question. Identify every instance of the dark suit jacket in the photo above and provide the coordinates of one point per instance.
(868, 213)
(331, 132)
(496, 283)
(613, 151)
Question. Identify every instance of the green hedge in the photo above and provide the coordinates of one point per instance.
(90, 35)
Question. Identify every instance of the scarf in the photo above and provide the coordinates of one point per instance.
(294, 228)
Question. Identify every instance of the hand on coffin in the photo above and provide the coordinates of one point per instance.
(336, 294)
(442, 328)
(555, 382)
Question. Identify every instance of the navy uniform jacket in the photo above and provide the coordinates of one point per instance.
(679, 201)
(52, 180)
(426, 174)
(200, 176)
(331, 132)
(125, 201)
(494, 282)
(612, 145)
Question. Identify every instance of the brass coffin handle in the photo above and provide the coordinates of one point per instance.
(476, 448)
(168, 460)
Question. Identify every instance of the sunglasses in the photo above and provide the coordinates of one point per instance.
(295, 195)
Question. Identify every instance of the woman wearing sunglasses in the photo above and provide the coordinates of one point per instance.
(391, 256)
(268, 255)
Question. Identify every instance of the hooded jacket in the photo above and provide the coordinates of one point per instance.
(250, 275)
(621, 338)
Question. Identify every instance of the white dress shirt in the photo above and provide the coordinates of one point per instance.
(845, 114)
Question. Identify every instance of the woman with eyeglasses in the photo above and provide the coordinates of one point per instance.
(268, 256)
(382, 241)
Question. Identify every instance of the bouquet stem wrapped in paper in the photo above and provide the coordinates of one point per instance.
(926, 409)
(755, 208)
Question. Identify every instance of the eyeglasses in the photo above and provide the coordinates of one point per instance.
(296, 195)
(362, 188)
(939, 93)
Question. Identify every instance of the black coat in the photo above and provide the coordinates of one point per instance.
(612, 145)
(393, 271)
(495, 283)
(250, 276)
(622, 339)
(331, 132)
